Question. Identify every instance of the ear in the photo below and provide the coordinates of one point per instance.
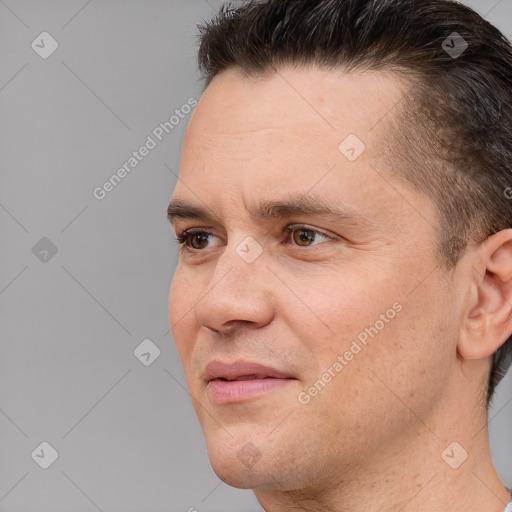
(488, 319)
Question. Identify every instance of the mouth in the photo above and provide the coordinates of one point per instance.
(242, 380)
(242, 377)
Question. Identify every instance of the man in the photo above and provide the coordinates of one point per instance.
(343, 298)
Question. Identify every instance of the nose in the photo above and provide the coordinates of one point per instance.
(238, 294)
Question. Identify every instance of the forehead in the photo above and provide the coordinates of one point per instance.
(259, 138)
(291, 117)
(329, 101)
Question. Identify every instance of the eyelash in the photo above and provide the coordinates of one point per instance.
(182, 238)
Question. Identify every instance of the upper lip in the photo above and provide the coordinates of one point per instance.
(240, 368)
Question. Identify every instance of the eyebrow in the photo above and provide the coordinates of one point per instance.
(293, 205)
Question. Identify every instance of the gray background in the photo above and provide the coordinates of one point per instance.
(126, 433)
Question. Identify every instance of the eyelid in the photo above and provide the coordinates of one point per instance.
(292, 227)
(182, 235)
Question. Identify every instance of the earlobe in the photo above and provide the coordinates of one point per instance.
(488, 321)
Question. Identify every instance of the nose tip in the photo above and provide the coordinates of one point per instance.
(230, 327)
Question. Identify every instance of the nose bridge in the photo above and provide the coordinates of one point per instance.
(237, 289)
(243, 257)
(240, 267)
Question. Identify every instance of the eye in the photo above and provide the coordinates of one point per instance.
(194, 239)
(304, 236)
(299, 235)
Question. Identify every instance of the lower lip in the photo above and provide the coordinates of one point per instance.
(229, 392)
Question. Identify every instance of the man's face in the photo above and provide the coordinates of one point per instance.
(351, 315)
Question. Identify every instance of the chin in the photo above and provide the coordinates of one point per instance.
(234, 472)
(264, 474)
(238, 477)
(256, 462)
(240, 461)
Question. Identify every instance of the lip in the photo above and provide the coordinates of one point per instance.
(256, 379)
(231, 371)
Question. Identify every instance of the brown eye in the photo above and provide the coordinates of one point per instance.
(199, 240)
(303, 237)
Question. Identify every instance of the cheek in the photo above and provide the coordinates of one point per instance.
(392, 344)
(338, 308)
(372, 320)
(175, 304)
(182, 297)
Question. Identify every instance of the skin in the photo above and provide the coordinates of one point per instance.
(373, 437)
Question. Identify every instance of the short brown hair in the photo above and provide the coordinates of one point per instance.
(453, 129)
